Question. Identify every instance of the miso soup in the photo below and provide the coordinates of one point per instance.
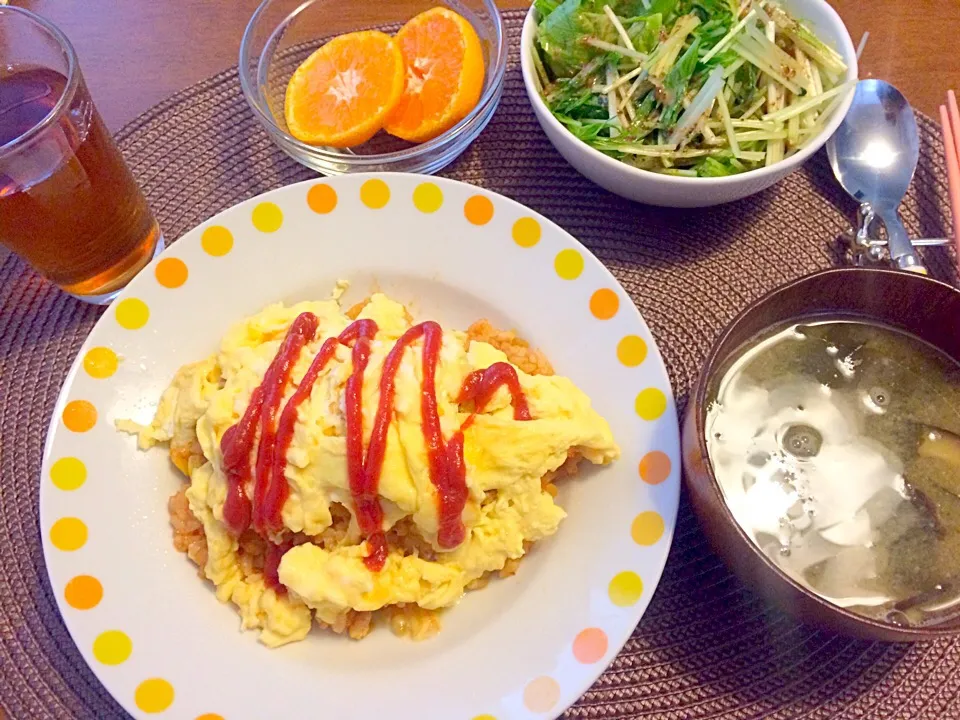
(837, 446)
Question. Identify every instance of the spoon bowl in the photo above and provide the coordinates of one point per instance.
(874, 154)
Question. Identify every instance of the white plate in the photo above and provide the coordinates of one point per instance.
(526, 647)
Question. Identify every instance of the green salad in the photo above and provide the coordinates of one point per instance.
(701, 88)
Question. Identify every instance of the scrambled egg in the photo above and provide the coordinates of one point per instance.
(505, 460)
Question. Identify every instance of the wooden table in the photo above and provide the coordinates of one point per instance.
(135, 53)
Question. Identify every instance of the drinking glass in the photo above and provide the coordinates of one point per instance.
(69, 205)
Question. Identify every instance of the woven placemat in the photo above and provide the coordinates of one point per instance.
(707, 647)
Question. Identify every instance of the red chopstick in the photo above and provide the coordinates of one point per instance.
(950, 120)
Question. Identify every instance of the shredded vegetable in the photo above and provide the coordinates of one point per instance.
(687, 87)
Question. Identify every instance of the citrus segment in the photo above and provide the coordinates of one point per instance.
(444, 75)
(341, 94)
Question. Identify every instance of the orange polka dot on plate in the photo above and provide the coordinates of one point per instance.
(209, 716)
(526, 232)
(631, 350)
(171, 272)
(647, 528)
(541, 695)
(655, 467)
(216, 240)
(321, 198)
(590, 645)
(651, 404)
(568, 264)
(154, 695)
(427, 197)
(79, 416)
(83, 592)
(604, 304)
(68, 534)
(112, 647)
(625, 588)
(100, 362)
(267, 217)
(478, 210)
(68, 473)
(375, 194)
(132, 313)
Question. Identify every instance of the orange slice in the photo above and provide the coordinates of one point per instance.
(445, 71)
(341, 94)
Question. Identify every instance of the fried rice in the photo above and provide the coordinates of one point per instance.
(404, 619)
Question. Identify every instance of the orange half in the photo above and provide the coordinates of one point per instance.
(341, 95)
(444, 75)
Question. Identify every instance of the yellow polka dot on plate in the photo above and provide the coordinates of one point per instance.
(631, 350)
(171, 272)
(604, 304)
(112, 647)
(68, 534)
(541, 694)
(568, 264)
(79, 416)
(132, 313)
(375, 194)
(216, 240)
(267, 217)
(68, 473)
(100, 362)
(647, 528)
(484, 717)
(427, 197)
(209, 716)
(625, 588)
(322, 199)
(154, 695)
(83, 592)
(478, 210)
(650, 404)
(526, 232)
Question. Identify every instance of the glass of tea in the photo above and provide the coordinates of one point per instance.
(69, 205)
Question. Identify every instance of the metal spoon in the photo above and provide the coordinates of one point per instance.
(874, 154)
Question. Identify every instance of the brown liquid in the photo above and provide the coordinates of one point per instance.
(68, 203)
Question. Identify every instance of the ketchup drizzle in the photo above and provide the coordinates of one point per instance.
(237, 442)
(446, 462)
(480, 386)
(271, 565)
(369, 512)
(279, 489)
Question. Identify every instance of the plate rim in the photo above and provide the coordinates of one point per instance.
(572, 691)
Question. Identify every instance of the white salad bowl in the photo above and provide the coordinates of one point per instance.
(676, 191)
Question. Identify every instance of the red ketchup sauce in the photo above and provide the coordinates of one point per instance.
(276, 493)
(271, 565)
(480, 386)
(237, 442)
(364, 485)
(271, 489)
(368, 510)
(301, 332)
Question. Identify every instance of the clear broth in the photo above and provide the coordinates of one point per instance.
(837, 446)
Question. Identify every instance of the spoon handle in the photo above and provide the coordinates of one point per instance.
(898, 242)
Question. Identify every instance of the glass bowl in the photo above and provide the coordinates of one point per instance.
(282, 33)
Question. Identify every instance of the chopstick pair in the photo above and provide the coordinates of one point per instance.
(950, 122)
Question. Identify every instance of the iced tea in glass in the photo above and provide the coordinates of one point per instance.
(68, 203)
